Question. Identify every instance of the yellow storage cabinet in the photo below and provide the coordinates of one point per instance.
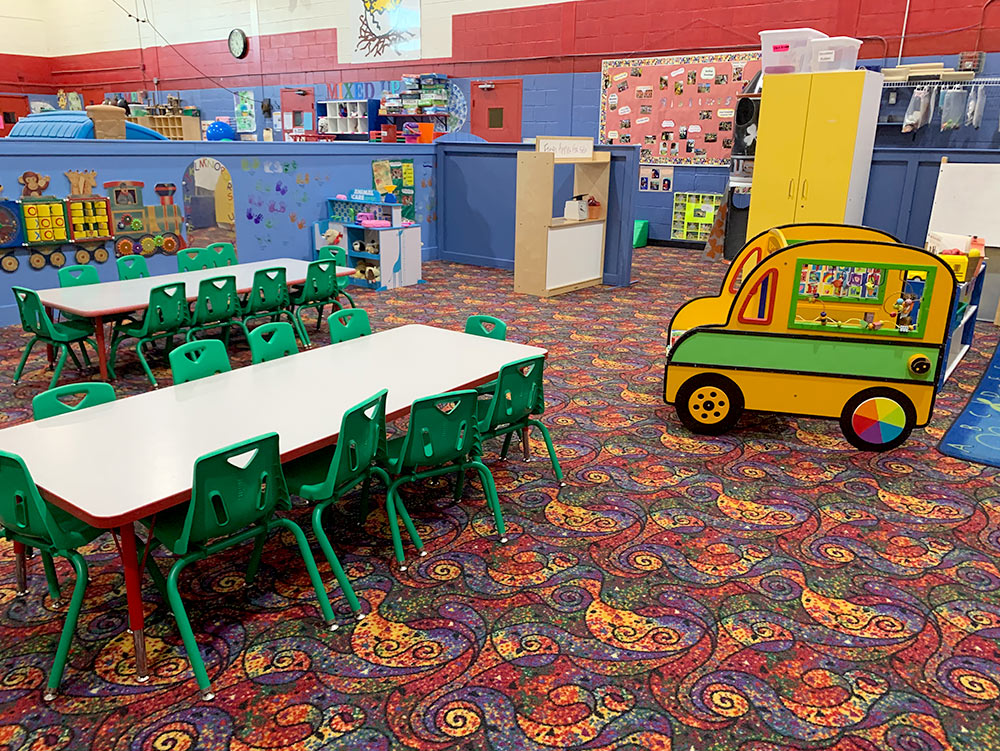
(814, 148)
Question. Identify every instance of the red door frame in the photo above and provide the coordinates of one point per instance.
(16, 103)
(506, 93)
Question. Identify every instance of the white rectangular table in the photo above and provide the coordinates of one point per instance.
(99, 301)
(302, 398)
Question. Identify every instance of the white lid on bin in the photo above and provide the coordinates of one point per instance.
(799, 31)
(837, 41)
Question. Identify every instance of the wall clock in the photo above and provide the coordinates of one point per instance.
(239, 45)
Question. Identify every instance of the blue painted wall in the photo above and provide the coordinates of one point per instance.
(279, 189)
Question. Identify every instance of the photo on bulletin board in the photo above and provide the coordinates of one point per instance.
(684, 102)
(655, 178)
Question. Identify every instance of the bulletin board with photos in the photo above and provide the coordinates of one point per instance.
(678, 110)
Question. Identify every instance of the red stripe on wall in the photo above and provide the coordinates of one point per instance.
(555, 38)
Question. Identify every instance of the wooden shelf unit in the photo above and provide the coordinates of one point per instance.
(553, 255)
(174, 127)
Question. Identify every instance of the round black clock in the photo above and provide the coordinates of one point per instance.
(239, 45)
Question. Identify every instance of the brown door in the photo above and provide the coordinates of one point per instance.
(298, 112)
(496, 110)
(11, 109)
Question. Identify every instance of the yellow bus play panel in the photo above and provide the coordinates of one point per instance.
(818, 320)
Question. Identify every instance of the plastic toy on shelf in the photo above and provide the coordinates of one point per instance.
(823, 320)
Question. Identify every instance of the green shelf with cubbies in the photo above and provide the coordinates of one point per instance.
(693, 215)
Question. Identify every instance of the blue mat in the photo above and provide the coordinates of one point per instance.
(975, 435)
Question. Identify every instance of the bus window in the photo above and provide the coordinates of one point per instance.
(758, 304)
(750, 260)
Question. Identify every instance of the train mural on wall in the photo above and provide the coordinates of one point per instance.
(77, 229)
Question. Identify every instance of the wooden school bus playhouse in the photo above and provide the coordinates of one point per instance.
(825, 321)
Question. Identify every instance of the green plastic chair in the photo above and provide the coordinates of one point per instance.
(222, 254)
(217, 306)
(132, 267)
(61, 335)
(54, 401)
(234, 495)
(319, 290)
(487, 326)
(269, 298)
(347, 324)
(29, 521)
(199, 359)
(166, 316)
(329, 474)
(193, 259)
(339, 256)
(78, 275)
(443, 438)
(272, 341)
(517, 397)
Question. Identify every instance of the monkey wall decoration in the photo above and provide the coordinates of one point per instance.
(34, 184)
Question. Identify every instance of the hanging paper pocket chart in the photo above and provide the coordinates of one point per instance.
(677, 110)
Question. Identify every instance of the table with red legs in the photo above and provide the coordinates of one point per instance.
(107, 300)
(291, 396)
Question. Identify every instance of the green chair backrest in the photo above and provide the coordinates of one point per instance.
(443, 428)
(518, 393)
(233, 488)
(269, 291)
(339, 256)
(222, 254)
(22, 510)
(217, 300)
(193, 259)
(272, 341)
(198, 359)
(34, 319)
(320, 284)
(361, 440)
(132, 267)
(167, 310)
(78, 275)
(488, 326)
(347, 324)
(54, 401)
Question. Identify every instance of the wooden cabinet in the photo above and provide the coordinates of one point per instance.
(174, 127)
(814, 148)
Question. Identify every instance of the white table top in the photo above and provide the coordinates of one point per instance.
(110, 298)
(117, 462)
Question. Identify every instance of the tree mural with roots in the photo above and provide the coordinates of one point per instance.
(373, 39)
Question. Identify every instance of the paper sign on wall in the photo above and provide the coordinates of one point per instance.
(565, 148)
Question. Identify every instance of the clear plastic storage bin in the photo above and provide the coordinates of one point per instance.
(787, 50)
(833, 53)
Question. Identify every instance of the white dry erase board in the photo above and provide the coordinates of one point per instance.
(965, 203)
(566, 148)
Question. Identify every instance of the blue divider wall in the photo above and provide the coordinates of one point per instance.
(279, 190)
(476, 189)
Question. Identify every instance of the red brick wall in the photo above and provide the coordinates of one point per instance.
(561, 37)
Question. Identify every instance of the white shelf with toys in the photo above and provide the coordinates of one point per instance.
(383, 247)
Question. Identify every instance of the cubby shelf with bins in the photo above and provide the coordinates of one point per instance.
(174, 127)
(398, 259)
(348, 117)
(694, 214)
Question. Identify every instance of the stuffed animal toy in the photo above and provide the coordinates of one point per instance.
(359, 247)
(372, 248)
(373, 274)
(333, 237)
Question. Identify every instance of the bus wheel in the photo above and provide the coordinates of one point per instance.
(36, 261)
(82, 256)
(10, 263)
(877, 419)
(101, 254)
(57, 259)
(709, 404)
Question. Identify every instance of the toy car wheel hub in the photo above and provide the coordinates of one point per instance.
(709, 405)
(878, 420)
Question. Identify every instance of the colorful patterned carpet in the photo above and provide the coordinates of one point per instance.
(769, 590)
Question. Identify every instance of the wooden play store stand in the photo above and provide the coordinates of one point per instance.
(553, 255)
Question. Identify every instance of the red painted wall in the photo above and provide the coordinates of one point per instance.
(561, 37)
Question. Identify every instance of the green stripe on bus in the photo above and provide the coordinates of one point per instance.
(803, 355)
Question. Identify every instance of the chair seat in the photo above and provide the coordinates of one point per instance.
(305, 474)
(77, 531)
(169, 527)
(72, 330)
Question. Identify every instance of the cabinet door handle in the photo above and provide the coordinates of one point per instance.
(805, 189)
(791, 185)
